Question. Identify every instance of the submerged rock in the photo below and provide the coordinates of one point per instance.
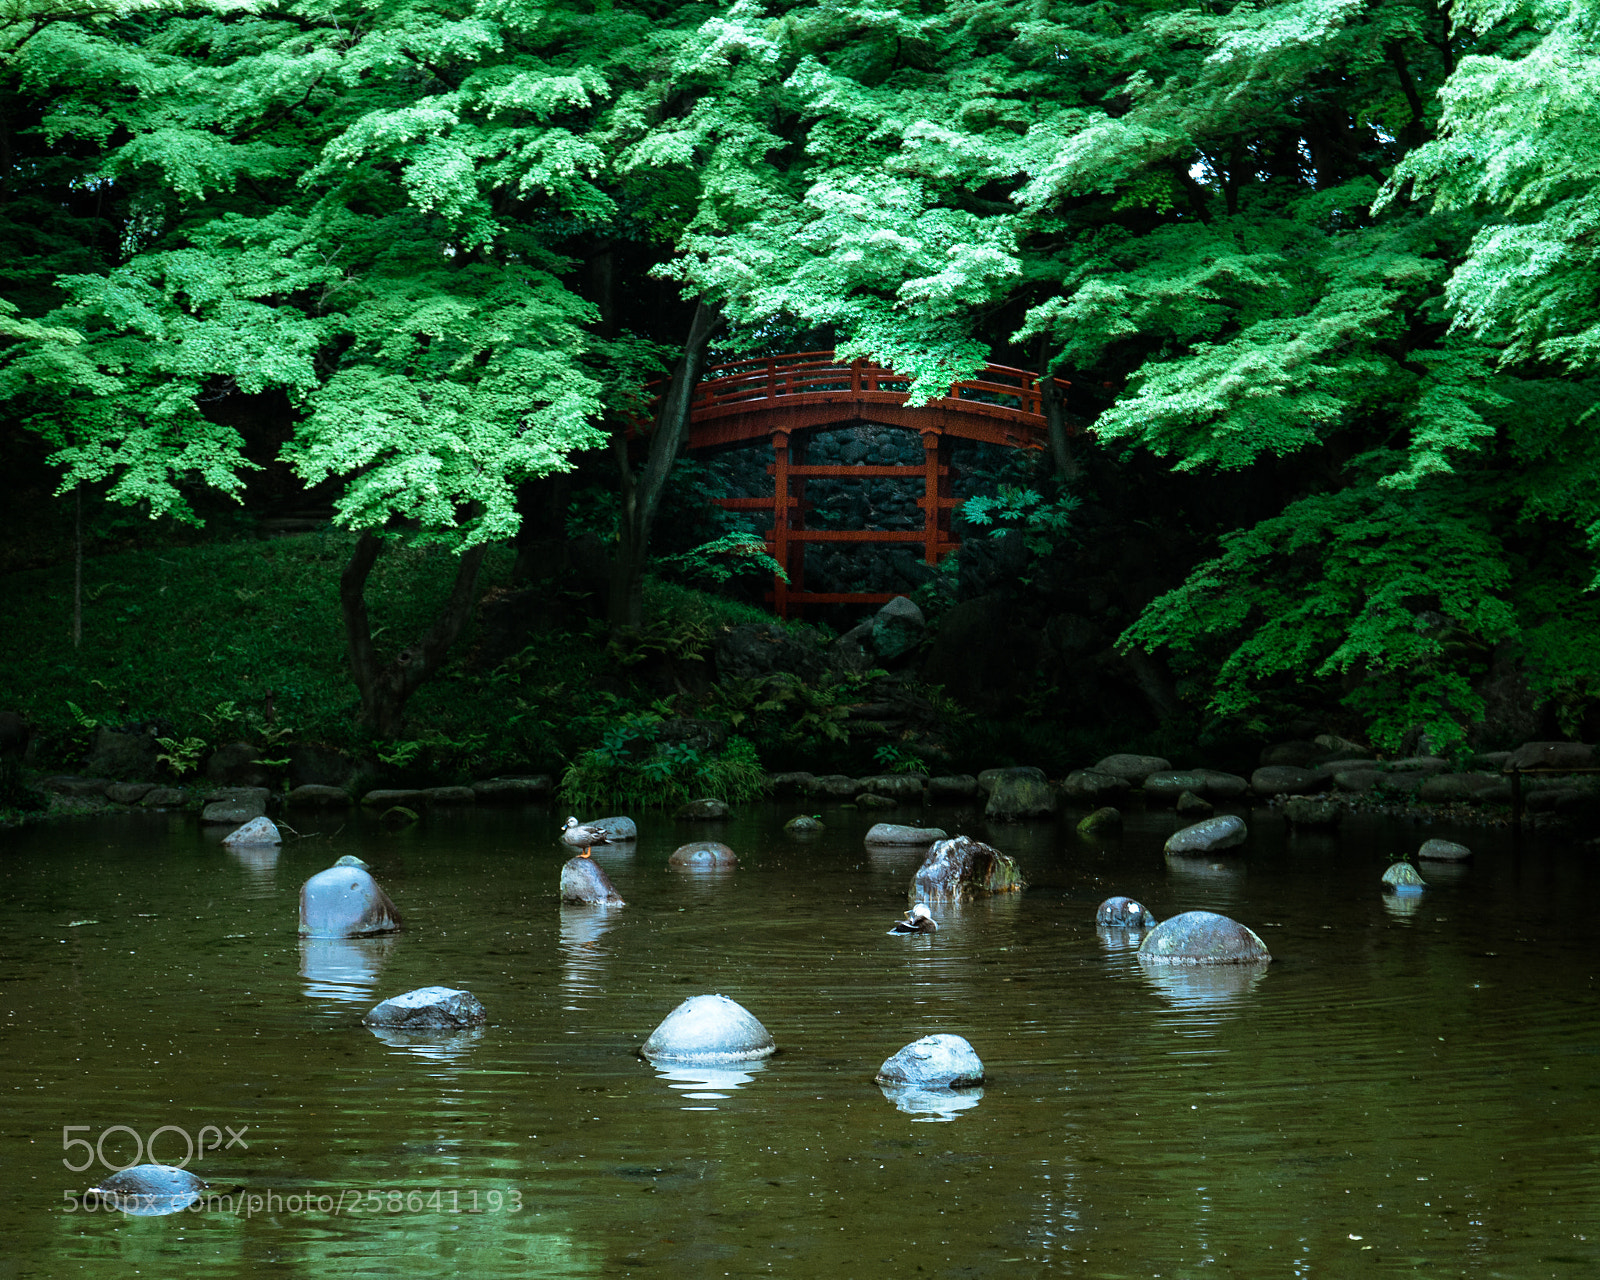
(256, 831)
(703, 855)
(1203, 937)
(708, 1029)
(1402, 877)
(937, 1061)
(1306, 811)
(1190, 805)
(345, 902)
(584, 883)
(429, 1009)
(1443, 851)
(804, 825)
(150, 1190)
(1102, 820)
(1125, 913)
(1211, 836)
(963, 868)
(898, 834)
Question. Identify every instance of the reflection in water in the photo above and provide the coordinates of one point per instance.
(583, 973)
(1119, 939)
(260, 865)
(1203, 986)
(929, 1104)
(1404, 906)
(1218, 882)
(344, 968)
(706, 1081)
(436, 1046)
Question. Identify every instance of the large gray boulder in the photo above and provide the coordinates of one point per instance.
(937, 1061)
(1443, 851)
(1020, 793)
(703, 855)
(429, 1009)
(233, 806)
(1213, 835)
(1286, 780)
(1166, 785)
(345, 902)
(835, 786)
(237, 764)
(124, 757)
(316, 795)
(907, 788)
(1203, 937)
(512, 790)
(897, 628)
(1092, 786)
(958, 786)
(1222, 786)
(707, 1030)
(962, 868)
(1132, 769)
(898, 835)
(584, 883)
(1540, 755)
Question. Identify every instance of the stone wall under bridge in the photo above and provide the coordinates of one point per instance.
(875, 502)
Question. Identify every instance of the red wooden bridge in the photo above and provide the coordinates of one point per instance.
(776, 397)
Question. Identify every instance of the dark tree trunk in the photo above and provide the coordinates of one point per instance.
(1068, 467)
(385, 687)
(642, 491)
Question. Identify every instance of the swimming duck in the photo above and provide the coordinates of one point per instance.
(575, 832)
(918, 920)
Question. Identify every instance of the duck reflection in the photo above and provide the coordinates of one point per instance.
(583, 968)
(929, 1104)
(438, 1046)
(704, 1084)
(344, 968)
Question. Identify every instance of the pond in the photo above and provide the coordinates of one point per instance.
(1411, 1087)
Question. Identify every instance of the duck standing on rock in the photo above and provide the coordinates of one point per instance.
(918, 920)
(575, 832)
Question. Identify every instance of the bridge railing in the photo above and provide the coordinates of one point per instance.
(740, 385)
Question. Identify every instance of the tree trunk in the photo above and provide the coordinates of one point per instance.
(642, 492)
(384, 688)
(1068, 467)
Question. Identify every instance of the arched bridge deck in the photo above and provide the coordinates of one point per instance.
(775, 397)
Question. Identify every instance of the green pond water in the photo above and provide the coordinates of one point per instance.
(1412, 1087)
